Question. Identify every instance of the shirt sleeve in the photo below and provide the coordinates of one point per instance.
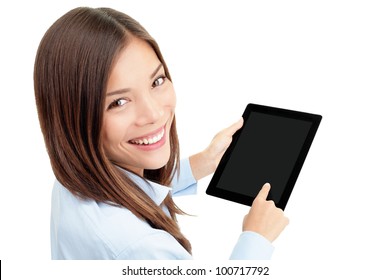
(184, 183)
(252, 246)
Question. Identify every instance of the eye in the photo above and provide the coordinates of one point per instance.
(159, 81)
(118, 103)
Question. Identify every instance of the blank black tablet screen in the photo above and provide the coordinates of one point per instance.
(267, 151)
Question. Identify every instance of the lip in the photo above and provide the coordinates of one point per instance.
(150, 135)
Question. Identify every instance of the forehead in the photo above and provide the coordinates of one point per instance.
(134, 62)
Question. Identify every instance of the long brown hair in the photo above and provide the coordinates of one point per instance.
(72, 66)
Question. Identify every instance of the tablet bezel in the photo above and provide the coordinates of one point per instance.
(314, 119)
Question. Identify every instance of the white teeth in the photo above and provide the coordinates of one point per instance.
(149, 141)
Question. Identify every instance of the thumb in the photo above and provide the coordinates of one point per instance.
(234, 127)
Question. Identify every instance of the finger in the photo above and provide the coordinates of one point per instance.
(264, 191)
(234, 127)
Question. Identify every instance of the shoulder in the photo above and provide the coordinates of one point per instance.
(85, 229)
(156, 245)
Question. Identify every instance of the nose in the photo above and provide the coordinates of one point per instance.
(149, 110)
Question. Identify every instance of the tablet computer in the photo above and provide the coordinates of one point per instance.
(271, 147)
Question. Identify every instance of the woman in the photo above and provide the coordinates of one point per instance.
(106, 106)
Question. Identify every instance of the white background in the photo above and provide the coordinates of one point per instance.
(325, 57)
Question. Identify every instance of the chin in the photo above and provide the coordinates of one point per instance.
(157, 163)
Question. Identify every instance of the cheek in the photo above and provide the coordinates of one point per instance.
(111, 133)
(170, 98)
(106, 140)
(174, 99)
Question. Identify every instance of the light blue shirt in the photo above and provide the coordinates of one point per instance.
(86, 229)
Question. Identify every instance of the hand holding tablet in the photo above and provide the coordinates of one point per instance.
(271, 147)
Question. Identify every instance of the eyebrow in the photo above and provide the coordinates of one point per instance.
(156, 71)
(124, 90)
(119, 91)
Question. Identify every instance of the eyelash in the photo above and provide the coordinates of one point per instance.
(163, 77)
(115, 104)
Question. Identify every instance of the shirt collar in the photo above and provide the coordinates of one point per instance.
(154, 190)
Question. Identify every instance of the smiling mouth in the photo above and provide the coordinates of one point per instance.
(150, 139)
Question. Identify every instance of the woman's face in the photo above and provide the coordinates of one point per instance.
(139, 109)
